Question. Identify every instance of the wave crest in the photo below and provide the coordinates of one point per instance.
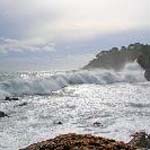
(41, 85)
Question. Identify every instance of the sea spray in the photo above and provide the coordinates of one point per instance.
(39, 84)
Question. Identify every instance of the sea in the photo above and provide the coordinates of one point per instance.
(97, 101)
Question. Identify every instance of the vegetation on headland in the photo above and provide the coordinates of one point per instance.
(116, 58)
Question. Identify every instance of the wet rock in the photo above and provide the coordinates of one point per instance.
(7, 98)
(97, 124)
(79, 142)
(58, 123)
(147, 75)
(140, 140)
(2, 114)
(22, 104)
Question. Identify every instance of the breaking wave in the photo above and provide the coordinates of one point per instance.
(39, 84)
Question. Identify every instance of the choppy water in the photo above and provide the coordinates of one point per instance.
(119, 102)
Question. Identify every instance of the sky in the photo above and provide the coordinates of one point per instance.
(66, 34)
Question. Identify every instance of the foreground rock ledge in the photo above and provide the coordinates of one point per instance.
(79, 142)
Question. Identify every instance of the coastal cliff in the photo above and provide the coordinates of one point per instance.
(116, 58)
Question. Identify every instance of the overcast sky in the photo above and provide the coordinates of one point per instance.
(51, 33)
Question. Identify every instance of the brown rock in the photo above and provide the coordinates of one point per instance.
(79, 142)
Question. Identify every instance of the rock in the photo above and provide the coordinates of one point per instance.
(11, 98)
(116, 58)
(22, 104)
(2, 114)
(140, 140)
(79, 142)
(7, 98)
(97, 124)
(147, 75)
(58, 123)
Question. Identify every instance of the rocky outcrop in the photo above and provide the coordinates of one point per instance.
(11, 98)
(2, 114)
(79, 142)
(22, 104)
(147, 74)
(116, 58)
(140, 141)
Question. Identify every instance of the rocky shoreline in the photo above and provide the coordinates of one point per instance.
(71, 141)
(116, 58)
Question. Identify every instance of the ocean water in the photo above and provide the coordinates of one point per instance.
(100, 102)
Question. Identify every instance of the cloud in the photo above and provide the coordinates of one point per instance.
(55, 20)
(12, 45)
(86, 19)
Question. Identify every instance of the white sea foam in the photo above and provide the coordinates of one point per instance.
(41, 85)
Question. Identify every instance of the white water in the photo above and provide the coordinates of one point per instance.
(118, 100)
(44, 83)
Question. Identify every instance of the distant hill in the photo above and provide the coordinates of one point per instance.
(116, 58)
